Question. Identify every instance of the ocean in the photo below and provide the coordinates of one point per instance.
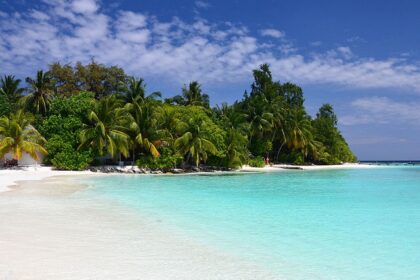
(315, 224)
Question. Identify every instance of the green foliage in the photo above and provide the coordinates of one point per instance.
(327, 133)
(40, 93)
(54, 146)
(105, 131)
(10, 90)
(92, 110)
(191, 95)
(256, 162)
(62, 128)
(199, 136)
(70, 159)
(94, 77)
(166, 161)
(5, 106)
(17, 135)
(77, 105)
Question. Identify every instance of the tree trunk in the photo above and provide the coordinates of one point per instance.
(278, 152)
(134, 157)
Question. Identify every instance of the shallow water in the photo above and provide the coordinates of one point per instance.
(329, 224)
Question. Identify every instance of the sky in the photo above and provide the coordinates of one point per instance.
(363, 57)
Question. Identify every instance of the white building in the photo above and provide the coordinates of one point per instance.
(26, 159)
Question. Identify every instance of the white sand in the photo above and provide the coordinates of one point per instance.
(50, 230)
(284, 167)
(10, 177)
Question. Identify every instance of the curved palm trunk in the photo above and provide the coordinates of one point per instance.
(278, 151)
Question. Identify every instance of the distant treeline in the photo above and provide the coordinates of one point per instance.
(77, 114)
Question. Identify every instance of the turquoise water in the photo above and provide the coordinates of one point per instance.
(330, 224)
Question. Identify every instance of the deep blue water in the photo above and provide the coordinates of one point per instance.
(330, 224)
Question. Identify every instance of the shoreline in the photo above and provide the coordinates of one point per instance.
(11, 177)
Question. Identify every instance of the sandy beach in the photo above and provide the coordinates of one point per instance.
(49, 232)
(284, 167)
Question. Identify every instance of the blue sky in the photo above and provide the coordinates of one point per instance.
(361, 56)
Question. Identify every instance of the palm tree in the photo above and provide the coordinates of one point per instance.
(40, 91)
(17, 135)
(299, 133)
(259, 118)
(135, 90)
(142, 127)
(191, 95)
(236, 152)
(195, 141)
(9, 87)
(230, 117)
(105, 130)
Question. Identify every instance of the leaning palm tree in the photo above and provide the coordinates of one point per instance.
(17, 135)
(9, 87)
(195, 141)
(135, 90)
(40, 92)
(105, 131)
(236, 152)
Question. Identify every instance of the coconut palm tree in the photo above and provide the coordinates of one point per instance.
(236, 151)
(142, 128)
(40, 93)
(135, 90)
(17, 135)
(105, 131)
(195, 141)
(191, 95)
(9, 87)
(299, 133)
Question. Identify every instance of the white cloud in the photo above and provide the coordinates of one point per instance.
(382, 110)
(70, 31)
(270, 32)
(202, 4)
(84, 6)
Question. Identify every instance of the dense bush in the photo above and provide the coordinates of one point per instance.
(256, 162)
(165, 162)
(70, 159)
(62, 126)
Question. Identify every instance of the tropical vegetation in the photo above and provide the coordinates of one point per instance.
(81, 115)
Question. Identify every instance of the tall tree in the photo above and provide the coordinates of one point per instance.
(135, 90)
(143, 129)
(64, 78)
(327, 133)
(10, 87)
(98, 78)
(191, 95)
(105, 131)
(17, 136)
(195, 141)
(40, 93)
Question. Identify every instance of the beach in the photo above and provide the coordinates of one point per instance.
(50, 230)
(46, 233)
